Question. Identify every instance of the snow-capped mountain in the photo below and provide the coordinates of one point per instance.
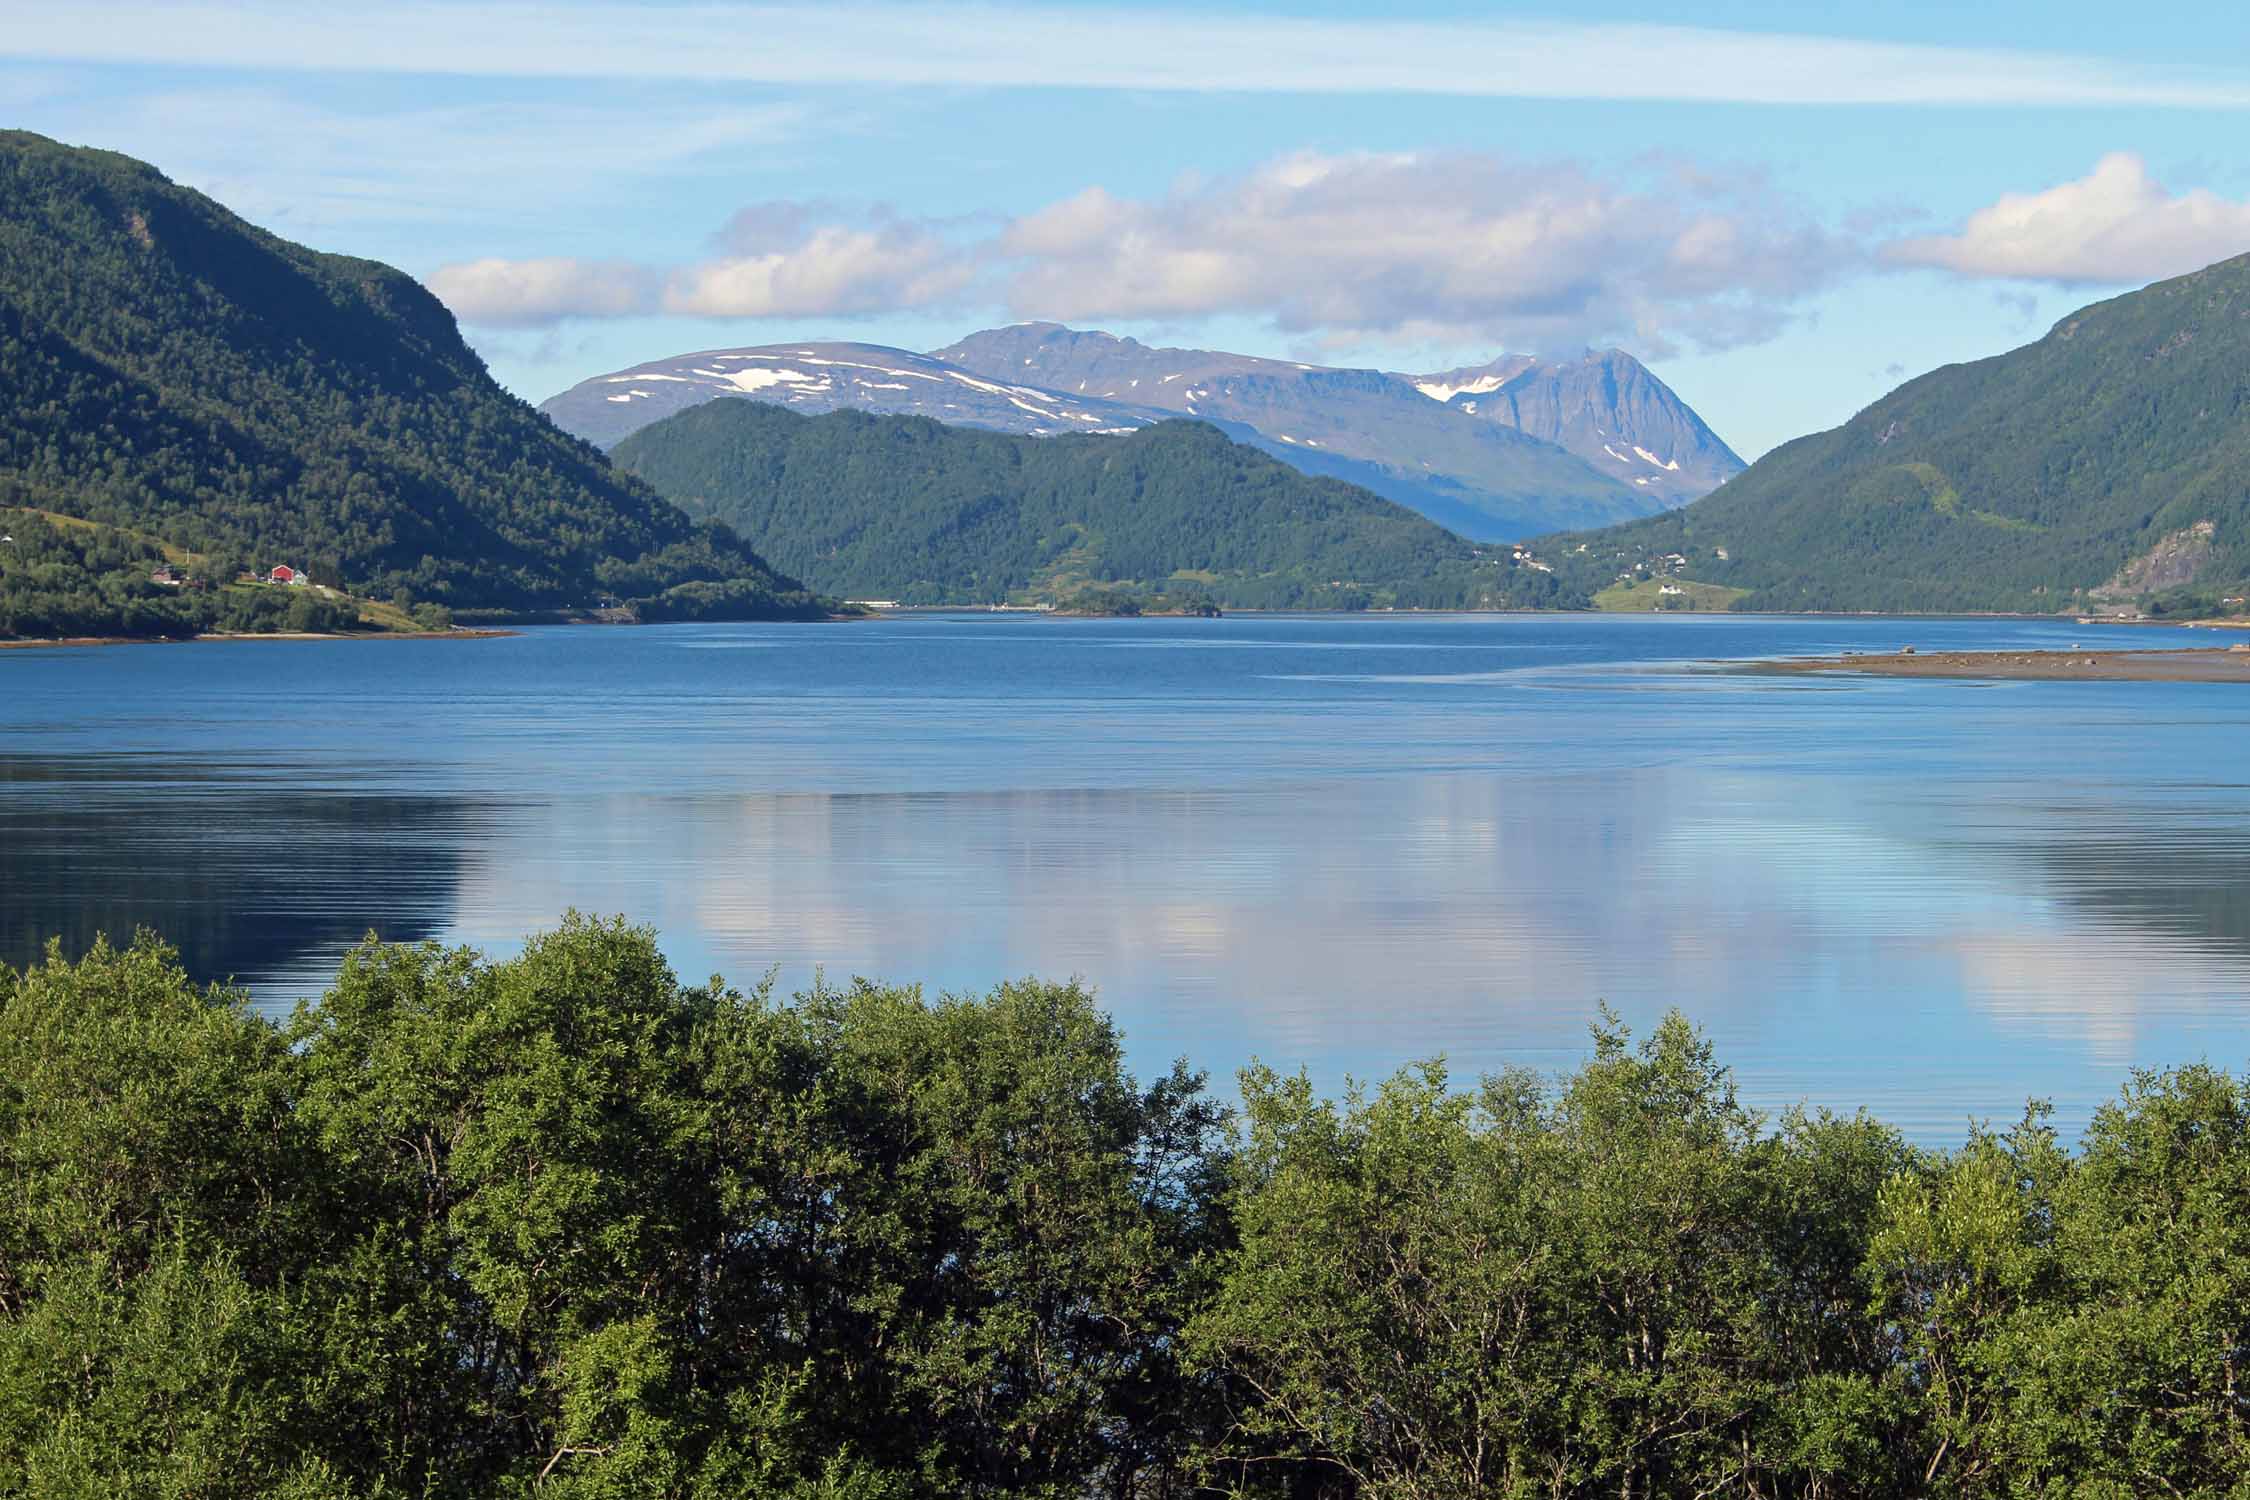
(1498, 452)
(1606, 408)
(1482, 479)
(818, 377)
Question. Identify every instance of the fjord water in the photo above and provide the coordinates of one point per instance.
(1340, 843)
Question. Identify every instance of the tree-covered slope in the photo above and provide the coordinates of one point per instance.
(2111, 459)
(171, 369)
(914, 510)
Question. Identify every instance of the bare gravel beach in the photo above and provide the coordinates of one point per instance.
(2213, 664)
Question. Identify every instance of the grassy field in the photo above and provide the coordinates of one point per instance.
(174, 554)
(374, 614)
(1646, 597)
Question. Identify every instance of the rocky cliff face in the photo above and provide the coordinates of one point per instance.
(1606, 408)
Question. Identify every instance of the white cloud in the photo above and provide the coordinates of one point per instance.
(997, 45)
(1348, 250)
(530, 293)
(2115, 225)
(783, 265)
(820, 270)
(1419, 248)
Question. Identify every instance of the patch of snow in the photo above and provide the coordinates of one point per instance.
(1135, 384)
(645, 375)
(853, 364)
(1674, 465)
(1115, 431)
(758, 380)
(1438, 390)
(1470, 407)
(1011, 392)
(1642, 480)
(1176, 375)
(1613, 453)
(883, 385)
(1027, 406)
(1285, 437)
(629, 395)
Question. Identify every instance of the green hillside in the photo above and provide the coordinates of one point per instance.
(2107, 465)
(907, 508)
(179, 374)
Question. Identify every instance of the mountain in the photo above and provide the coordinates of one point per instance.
(2103, 465)
(1481, 478)
(828, 376)
(916, 510)
(1541, 459)
(188, 381)
(1606, 408)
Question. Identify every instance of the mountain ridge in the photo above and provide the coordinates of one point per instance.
(1460, 465)
(176, 371)
(912, 509)
(2103, 461)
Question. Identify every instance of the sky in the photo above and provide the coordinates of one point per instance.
(1785, 210)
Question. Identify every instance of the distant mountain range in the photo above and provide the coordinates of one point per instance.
(190, 383)
(1495, 452)
(2105, 467)
(921, 512)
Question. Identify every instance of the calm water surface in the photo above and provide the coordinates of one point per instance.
(1340, 843)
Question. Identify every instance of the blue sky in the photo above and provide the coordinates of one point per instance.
(1784, 212)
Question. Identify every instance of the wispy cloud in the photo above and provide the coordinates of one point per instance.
(308, 167)
(950, 44)
(1341, 249)
(2115, 225)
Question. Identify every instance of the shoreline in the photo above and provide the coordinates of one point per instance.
(2190, 664)
(269, 635)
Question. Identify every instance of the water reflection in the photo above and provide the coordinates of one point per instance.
(248, 877)
(1828, 932)
(1328, 843)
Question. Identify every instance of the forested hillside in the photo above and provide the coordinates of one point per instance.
(560, 1226)
(172, 370)
(2107, 463)
(907, 508)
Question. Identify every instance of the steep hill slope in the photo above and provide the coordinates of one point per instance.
(1480, 478)
(2107, 462)
(171, 369)
(915, 510)
(1606, 408)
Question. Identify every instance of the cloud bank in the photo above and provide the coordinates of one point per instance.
(1347, 248)
(1023, 45)
(2115, 225)
(1404, 247)
(1373, 249)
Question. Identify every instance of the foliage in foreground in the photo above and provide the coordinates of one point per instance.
(560, 1225)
